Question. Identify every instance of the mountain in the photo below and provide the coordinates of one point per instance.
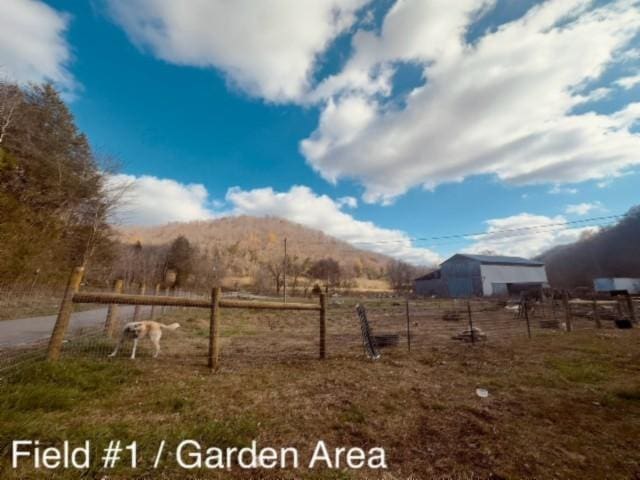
(247, 241)
(612, 252)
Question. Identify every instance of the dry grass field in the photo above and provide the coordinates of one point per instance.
(561, 405)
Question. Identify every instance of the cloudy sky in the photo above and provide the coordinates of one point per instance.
(396, 125)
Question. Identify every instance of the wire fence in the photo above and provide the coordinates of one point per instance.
(256, 337)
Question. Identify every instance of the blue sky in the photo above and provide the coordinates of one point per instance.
(375, 121)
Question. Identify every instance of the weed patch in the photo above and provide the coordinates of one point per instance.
(580, 371)
(61, 385)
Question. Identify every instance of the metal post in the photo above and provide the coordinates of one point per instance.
(284, 272)
(567, 310)
(111, 322)
(473, 333)
(64, 315)
(596, 314)
(214, 330)
(408, 326)
(526, 316)
(323, 326)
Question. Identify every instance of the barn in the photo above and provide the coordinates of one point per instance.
(466, 275)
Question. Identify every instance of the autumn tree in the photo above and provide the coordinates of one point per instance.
(326, 270)
(181, 259)
(400, 275)
(296, 268)
(52, 189)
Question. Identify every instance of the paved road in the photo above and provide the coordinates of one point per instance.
(25, 331)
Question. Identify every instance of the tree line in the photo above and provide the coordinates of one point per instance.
(182, 265)
(54, 196)
(612, 252)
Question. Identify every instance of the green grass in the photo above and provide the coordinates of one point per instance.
(581, 370)
(353, 414)
(57, 386)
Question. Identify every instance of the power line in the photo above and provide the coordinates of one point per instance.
(541, 228)
(519, 229)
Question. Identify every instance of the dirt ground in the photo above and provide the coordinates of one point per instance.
(559, 405)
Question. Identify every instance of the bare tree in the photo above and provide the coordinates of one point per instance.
(9, 101)
(276, 271)
(400, 275)
(297, 268)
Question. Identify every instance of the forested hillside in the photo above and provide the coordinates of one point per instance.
(251, 249)
(612, 252)
(53, 203)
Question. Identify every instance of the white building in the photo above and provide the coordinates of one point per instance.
(629, 285)
(466, 275)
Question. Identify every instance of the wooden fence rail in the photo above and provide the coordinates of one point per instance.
(150, 300)
(215, 304)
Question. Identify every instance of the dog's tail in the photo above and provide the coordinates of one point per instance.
(173, 326)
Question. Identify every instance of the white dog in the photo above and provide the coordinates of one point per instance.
(138, 330)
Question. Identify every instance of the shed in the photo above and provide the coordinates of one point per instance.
(617, 284)
(467, 275)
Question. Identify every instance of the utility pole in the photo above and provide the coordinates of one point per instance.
(284, 274)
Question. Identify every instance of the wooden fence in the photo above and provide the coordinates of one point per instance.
(72, 295)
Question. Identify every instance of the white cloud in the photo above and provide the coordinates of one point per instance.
(350, 202)
(150, 200)
(502, 106)
(33, 47)
(558, 190)
(629, 82)
(301, 205)
(267, 48)
(582, 208)
(514, 235)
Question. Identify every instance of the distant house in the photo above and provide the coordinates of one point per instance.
(465, 275)
(617, 284)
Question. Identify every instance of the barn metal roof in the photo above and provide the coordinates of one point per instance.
(498, 260)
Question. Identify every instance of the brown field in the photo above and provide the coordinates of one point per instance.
(560, 405)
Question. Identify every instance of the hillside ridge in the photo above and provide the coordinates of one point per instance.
(258, 239)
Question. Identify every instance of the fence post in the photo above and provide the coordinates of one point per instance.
(153, 307)
(630, 306)
(526, 316)
(619, 308)
(137, 308)
(567, 311)
(473, 333)
(408, 327)
(112, 311)
(323, 326)
(596, 314)
(166, 294)
(214, 329)
(64, 315)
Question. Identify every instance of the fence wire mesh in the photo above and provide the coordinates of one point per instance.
(250, 337)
